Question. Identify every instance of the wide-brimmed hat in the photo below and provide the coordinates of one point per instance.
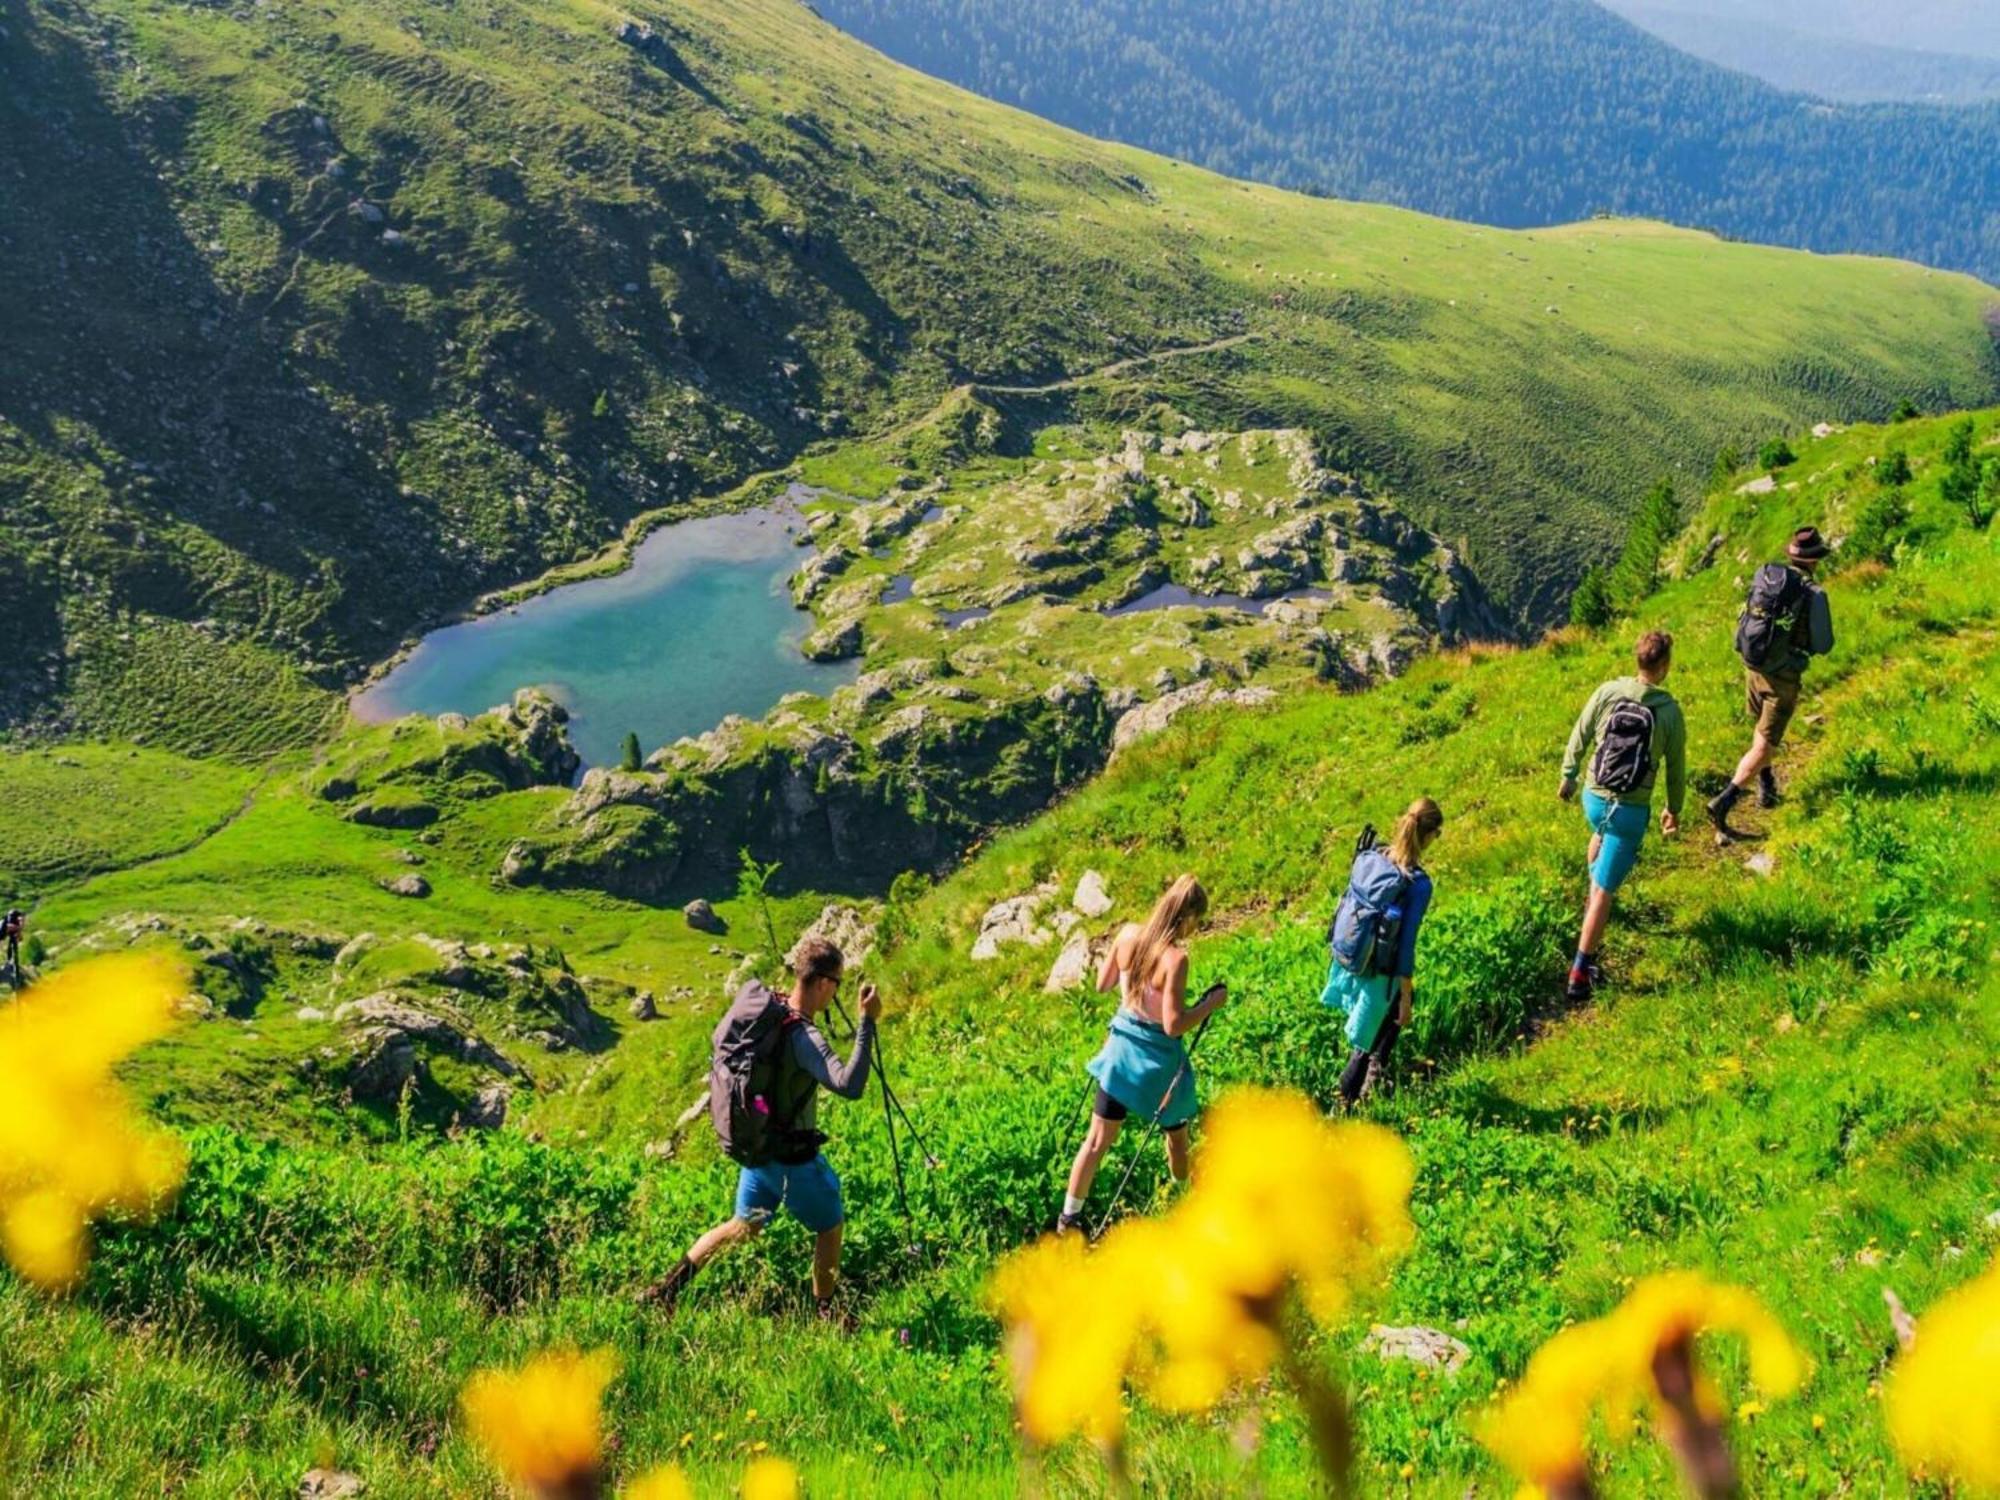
(1806, 545)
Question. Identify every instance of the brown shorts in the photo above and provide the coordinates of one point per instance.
(1773, 701)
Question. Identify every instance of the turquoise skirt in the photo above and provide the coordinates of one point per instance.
(1146, 1070)
(1365, 1002)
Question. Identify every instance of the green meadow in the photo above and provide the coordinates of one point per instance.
(1786, 1084)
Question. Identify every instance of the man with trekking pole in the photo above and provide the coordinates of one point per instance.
(769, 1063)
(1786, 622)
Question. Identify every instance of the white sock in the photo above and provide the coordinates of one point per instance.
(1071, 1206)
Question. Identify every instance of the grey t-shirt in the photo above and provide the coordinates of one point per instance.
(815, 1058)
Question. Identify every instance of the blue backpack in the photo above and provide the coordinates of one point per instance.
(1367, 926)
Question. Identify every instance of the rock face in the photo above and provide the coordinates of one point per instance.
(1015, 920)
(1157, 715)
(1430, 1347)
(847, 928)
(488, 1110)
(387, 1033)
(331, 1484)
(1072, 966)
(702, 918)
(392, 812)
(1091, 900)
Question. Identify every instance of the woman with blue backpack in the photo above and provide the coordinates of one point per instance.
(1374, 942)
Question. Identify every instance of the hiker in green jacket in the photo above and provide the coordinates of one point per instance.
(1637, 727)
(1786, 622)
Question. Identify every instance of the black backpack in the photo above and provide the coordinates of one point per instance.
(1770, 615)
(749, 1099)
(1624, 748)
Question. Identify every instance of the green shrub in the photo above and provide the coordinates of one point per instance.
(1894, 469)
(1776, 454)
(1879, 526)
(1656, 523)
(1590, 605)
(630, 757)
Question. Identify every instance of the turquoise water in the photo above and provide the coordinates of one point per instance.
(699, 627)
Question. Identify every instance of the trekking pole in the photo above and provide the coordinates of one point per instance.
(895, 1100)
(890, 1106)
(1152, 1126)
(932, 1161)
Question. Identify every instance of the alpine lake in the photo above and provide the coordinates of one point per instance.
(701, 625)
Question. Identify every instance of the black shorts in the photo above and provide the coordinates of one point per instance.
(1108, 1108)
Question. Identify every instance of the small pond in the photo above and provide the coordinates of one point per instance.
(699, 627)
(1176, 596)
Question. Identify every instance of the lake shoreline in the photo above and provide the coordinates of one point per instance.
(610, 560)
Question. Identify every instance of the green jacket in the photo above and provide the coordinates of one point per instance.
(1669, 740)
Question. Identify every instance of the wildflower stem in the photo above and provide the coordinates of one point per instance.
(1327, 1418)
(1696, 1437)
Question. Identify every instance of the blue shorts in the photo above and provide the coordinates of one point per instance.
(810, 1190)
(1622, 828)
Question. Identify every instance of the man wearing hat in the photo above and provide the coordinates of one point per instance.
(1785, 623)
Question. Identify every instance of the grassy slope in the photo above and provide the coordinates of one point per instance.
(319, 439)
(1789, 1085)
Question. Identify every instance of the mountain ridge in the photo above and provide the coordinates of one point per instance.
(1514, 112)
(365, 315)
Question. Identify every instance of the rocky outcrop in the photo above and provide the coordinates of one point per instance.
(390, 1035)
(848, 928)
(1091, 900)
(1015, 920)
(1153, 717)
(702, 917)
(1430, 1347)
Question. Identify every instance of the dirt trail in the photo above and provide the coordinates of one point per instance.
(1116, 367)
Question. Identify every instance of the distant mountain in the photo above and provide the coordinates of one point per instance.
(1514, 112)
(1831, 66)
(1968, 28)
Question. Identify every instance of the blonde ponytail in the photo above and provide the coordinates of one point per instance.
(1174, 916)
(1414, 831)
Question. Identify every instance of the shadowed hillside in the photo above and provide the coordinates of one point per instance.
(365, 310)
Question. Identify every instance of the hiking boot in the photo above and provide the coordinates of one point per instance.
(1070, 1224)
(1578, 991)
(1594, 972)
(664, 1295)
(1718, 815)
(1768, 795)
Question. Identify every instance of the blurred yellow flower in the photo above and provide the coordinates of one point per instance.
(1073, 1318)
(1538, 1429)
(1188, 1305)
(540, 1424)
(71, 1144)
(1943, 1396)
(770, 1479)
(664, 1483)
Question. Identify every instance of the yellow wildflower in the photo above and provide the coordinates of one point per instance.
(540, 1423)
(1943, 1396)
(770, 1479)
(1072, 1321)
(71, 1145)
(1188, 1305)
(1539, 1429)
(664, 1483)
